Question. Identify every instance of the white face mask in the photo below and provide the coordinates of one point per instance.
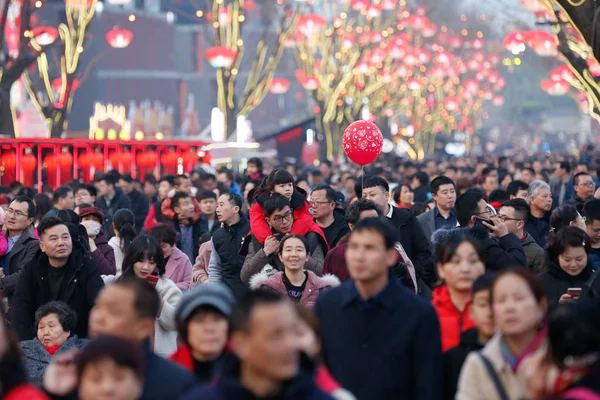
(92, 227)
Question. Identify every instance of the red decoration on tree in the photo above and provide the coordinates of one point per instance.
(279, 85)
(119, 38)
(362, 142)
(57, 85)
(221, 56)
(44, 35)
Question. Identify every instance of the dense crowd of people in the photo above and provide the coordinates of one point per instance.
(458, 279)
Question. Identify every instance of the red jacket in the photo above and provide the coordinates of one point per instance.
(452, 322)
(26, 392)
(303, 219)
(335, 262)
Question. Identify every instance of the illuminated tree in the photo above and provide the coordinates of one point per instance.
(377, 60)
(16, 55)
(228, 19)
(53, 96)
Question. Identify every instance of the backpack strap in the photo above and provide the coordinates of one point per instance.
(494, 376)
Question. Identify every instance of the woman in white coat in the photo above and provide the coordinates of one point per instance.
(123, 226)
(144, 259)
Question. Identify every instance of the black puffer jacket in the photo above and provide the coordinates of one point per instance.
(455, 358)
(556, 281)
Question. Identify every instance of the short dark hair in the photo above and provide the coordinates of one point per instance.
(26, 191)
(119, 350)
(520, 206)
(566, 166)
(144, 247)
(61, 193)
(329, 192)
(208, 177)
(149, 178)
(256, 161)
(177, 197)
(15, 185)
(169, 179)
(164, 233)
(353, 211)
(108, 178)
(179, 179)
(498, 195)
(535, 285)
(376, 181)
(146, 301)
(448, 242)
(577, 176)
(379, 226)
(439, 181)
(422, 177)
(562, 216)
(66, 316)
(88, 187)
(293, 236)
(242, 311)
(397, 192)
(529, 169)
(234, 199)
(228, 173)
(591, 211)
(47, 223)
(513, 188)
(274, 203)
(206, 194)
(127, 178)
(566, 237)
(486, 171)
(484, 282)
(30, 205)
(466, 206)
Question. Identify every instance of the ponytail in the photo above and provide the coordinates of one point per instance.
(124, 222)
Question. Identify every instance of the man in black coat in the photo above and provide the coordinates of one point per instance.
(380, 341)
(327, 216)
(226, 262)
(128, 309)
(59, 272)
(501, 249)
(110, 199)
(139, 202)
(405, 222)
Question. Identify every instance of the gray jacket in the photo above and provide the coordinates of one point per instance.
(534, 253)
(427, 222)
(36, 357)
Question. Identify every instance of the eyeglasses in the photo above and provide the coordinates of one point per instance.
(18, 213)
(487, 211)
(505, 218)
(279, 218)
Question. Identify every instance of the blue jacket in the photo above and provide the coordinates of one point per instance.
(229, 387)
(385, 348)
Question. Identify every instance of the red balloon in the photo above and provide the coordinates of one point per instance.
(362, 142)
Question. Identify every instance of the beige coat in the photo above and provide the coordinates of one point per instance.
(476, 384)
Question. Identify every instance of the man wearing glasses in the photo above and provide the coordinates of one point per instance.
(584, 189)
(280, 218)
(514, 213)
(22, 245)
(327, 216)
(501, 248)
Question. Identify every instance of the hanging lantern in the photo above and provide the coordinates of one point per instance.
(429, 30)
(224, 16)
(420, 10)
(279, 85)
(311, 23)
(451, 103)
(543, 43)
(498, 100)
(389, 4)
(29, 162)
(414, 84)
(532, 5)
(443, 57)
(417, 22)
(307, 82)
(373, 11)
(593, 65)
(57, 85)
(493, 77)
(471, 86)
(169, 162)
(477, 44)
(65, 160)
(515, 41)
(359, 5)
(97, 160)
(44, 35)
(119, 38)
(9, 160)
(562, 72)
(555, 88)
(455, 42)
(189, 159)
(221, 56)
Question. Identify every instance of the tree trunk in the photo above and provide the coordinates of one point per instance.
(7, 127)
(58, 124)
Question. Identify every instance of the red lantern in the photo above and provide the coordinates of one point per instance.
(66, 159)
(310, 23)
(97, 161)
(28, 162)
(562, 72)
(593, 65)
(169, 161)
(57, 85)
(545, 44)
(119, 38)
(498, 100)
(189, 159)
(359, 5)
(414, 84)
(44, 35)
(555, 88)
(9, 160)
(429, 30)
(279, 85)
(514, 41)
(373, 11)
(221, 56)
(362, 142)
(451, 103)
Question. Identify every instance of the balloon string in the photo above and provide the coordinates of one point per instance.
(362, 177)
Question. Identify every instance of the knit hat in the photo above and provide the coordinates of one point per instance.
(91, 211)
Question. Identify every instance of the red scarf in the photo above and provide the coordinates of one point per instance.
(52, 349)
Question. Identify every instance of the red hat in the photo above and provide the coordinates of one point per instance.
(91, 211)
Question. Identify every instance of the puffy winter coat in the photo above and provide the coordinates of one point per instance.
(314, 285)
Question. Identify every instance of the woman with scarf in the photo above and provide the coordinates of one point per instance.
(519, 309)
(54, 322)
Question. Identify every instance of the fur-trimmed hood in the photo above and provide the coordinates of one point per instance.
(312, 289)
